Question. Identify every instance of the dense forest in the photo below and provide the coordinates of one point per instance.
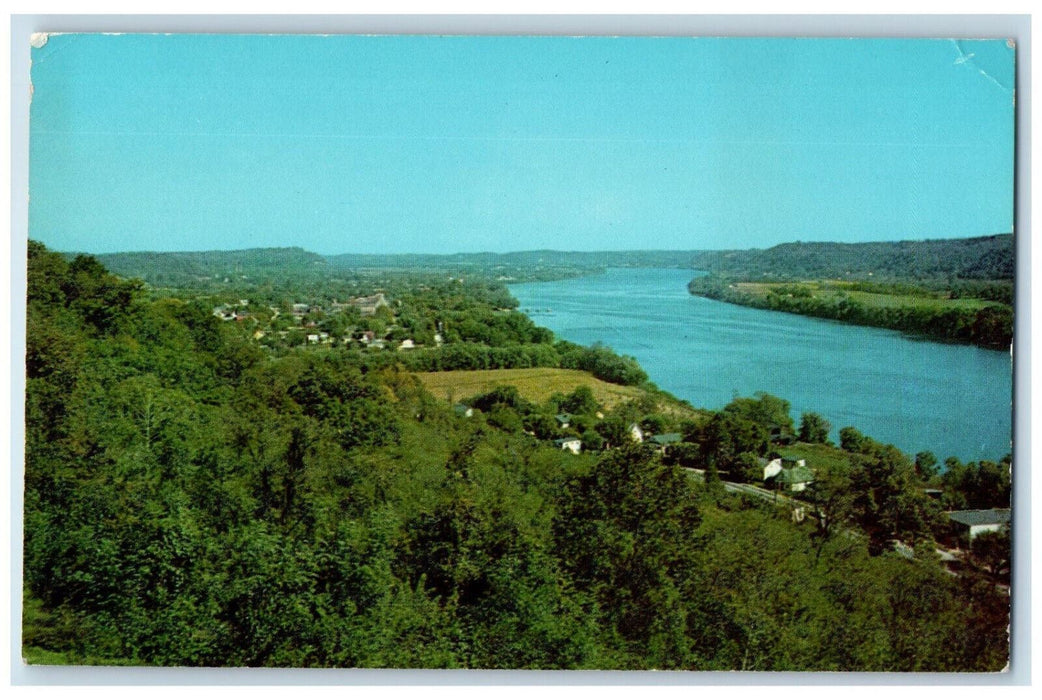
(195, 495)
(184, 268)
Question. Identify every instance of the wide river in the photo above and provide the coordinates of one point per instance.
(954, 400)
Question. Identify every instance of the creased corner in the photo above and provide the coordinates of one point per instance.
(38, 39)
(967, 60)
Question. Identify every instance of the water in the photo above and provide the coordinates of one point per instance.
(954, 400)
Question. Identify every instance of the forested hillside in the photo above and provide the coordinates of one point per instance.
(195, 268)
(194, 497)
(957, 290)
(982, 258)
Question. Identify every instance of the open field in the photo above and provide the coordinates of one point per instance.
(819, 457)
(834, 290)
(536, 384)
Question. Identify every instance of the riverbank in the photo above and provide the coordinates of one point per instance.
(918, 312)
(951, 399)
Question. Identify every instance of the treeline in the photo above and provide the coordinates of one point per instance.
(192, 499)
(990, 326)
(599, 361)
(164, 269)
(981, 258)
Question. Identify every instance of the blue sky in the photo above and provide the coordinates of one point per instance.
(445, 144)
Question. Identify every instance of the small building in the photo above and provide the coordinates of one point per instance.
(795, 478)
(781, 435)
(971, 523)
(224, 313)
(664, 441)
(572, 444)
(407, 344)
(635, 433)
(563, 419)
(312, 338)
(367, 306)
(771, 468)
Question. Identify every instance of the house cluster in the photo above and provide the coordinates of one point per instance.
(662, 442)
(307, 318)
(366, 305)
(232, 312)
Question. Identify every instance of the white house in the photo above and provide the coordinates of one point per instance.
(636, 434)
(795, 478)
(975, 522)
(572, 444)
(775, 466)
(771, 468)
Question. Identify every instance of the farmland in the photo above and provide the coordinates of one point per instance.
(837, 290)
(539, 384)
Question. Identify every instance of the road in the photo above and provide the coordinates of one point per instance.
(901, 548)
(755, 491)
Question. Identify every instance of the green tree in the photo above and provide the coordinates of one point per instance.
(925, 465)
(814, 428)
(580, 402)
(767, 411)
(889, 501)
(851, 439)
(625, 533)
(992, 551)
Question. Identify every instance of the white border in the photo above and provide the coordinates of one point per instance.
(986, 26)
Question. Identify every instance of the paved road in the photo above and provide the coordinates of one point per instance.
(755, 491)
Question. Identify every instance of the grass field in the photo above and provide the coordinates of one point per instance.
(819, 457)
(537, 385)
(833, 289)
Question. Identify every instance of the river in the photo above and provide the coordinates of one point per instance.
(954, 400)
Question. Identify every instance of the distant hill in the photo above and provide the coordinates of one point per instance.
(173, 269)
(986, 257)
(982, 258)
(523, 265)
(528, 258)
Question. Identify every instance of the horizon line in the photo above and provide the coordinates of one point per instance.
(518, 251)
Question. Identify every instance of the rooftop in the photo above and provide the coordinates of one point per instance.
(991, 516)
(796, 475)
